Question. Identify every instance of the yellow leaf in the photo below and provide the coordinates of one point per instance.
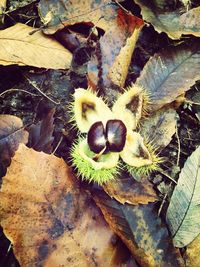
(192, 253)
(19, 46)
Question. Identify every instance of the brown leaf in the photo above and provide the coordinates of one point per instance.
(11, 134)
(19, 46)
(160, 127)
(163, 77)
(49, 219)
(191, 256)
(127, 190)
(114, 51)
(141, 230)
(174, 23)
(41, 134)
(58, 14)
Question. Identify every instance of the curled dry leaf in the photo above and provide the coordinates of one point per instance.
(127, 190)
(141, 230)
(19, 46)
(11, 134)
(191, 256)
(41, 134)
(114, 51)
(58, 14)
(182, 214)
(159, 128)
(49, 220)
(174, 23)
(163, 76)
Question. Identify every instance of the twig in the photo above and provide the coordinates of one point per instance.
(57, 145)
(16, 90)
(42, 93)
(179, 146)
(163, 200)
(123, 8)
(169, 177)
(191, 102)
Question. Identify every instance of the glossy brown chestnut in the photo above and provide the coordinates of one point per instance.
(96, 137)
(115, 135)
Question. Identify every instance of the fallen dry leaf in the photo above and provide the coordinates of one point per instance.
(191, 256)
(41, 134)
(141, 230)
(49, 219)
(174, 23)
(11, 134)
(127, 190)
(163, 77)
(2, 6)
(160, 127)
(20, 47)
(184, 207)
(114, 51)
(58, 14)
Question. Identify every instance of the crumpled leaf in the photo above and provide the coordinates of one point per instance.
(58, 14)
(49, 219)
(160, 127)
(11, 134)
(41, 134)
(127, 190)
(20, 47)
(163, 77)
(182, 214)
(174, 23)
(115, 49)
(141, 230)
(191, 256)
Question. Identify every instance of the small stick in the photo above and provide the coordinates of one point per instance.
(123, 8)
(42, 93)
(170, 178)
(163, 200)
(16, 90)
(179, 146)
(57, 145)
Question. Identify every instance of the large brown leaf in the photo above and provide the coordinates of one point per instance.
(169, 74)
(114, 51)
(49, 219)
(19, 46)
(11, 134)
(174, 23)
(141, 230)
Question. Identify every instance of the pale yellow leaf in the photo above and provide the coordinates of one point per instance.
(184, 208)
(19, 46)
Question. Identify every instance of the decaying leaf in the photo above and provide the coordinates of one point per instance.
(174, 23)
(11, 134)
(58, 14)
(191, 256)
(169, 74)
(2, 6)
(49, 219)
(41, 134)
(159, 128)
(115, 49)
(182, 214)
(141, 230)
(19, 46)
(127, 190)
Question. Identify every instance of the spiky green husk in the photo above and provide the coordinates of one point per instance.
(86, 171)
(147, 169)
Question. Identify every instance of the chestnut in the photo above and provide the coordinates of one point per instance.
(96, 137)
(115, 135)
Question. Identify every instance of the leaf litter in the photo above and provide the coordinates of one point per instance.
(162, 121)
